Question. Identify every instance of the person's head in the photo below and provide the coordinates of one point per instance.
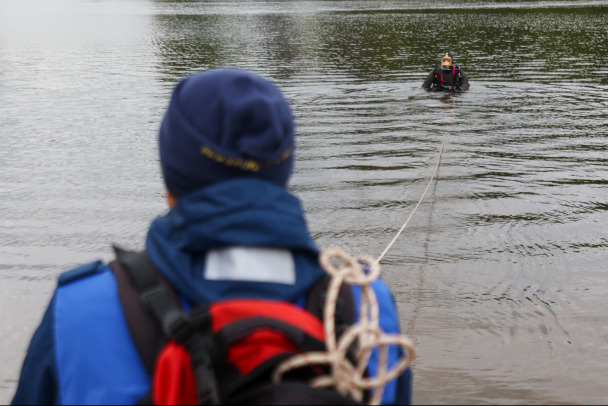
(224, 124)
(447, 60)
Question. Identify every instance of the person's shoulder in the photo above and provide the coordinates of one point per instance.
(82, 271)
(89, 289)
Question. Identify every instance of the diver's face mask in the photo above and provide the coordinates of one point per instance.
(446, 63)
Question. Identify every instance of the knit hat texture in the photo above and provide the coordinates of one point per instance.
(224, 124)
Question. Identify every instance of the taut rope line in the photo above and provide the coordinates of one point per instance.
(417, 205)
(425, 190)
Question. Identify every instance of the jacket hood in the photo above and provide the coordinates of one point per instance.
(241, 212)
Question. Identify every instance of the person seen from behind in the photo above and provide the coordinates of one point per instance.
(448, 76)
(233, 241)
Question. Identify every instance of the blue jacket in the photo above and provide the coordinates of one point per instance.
(82, 352)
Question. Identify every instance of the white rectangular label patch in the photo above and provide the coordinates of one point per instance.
(251, 264)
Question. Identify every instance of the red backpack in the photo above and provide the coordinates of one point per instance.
(225, 352)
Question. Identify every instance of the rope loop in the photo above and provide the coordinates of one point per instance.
(351, 268)
(347, 378)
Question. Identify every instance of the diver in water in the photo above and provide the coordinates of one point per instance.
(448, 76)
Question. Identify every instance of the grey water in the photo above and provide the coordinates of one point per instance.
(500, 276)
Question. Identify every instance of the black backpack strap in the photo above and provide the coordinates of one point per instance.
(436, 73)
(159, 300)
(345, 314)
(457, 77)
(345, 305)
(144, 329)
(155, 296)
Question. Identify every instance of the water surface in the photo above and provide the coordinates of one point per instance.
(500, 275)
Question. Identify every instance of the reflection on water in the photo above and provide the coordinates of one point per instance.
(377, 40)
(500, 275)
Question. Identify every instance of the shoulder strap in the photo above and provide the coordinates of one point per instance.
(457, 76)
(145, 331)
(158, 298)
(345, 314)
(345, 306)
(155, 296)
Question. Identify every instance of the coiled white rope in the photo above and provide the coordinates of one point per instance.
(346, 378)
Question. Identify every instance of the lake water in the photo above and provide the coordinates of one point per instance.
(500, 276)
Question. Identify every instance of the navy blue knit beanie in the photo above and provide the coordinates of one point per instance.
(224, 124)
